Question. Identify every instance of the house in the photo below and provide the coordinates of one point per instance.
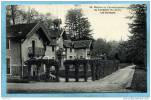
(77, 49)
(35, 40)
(25, 41)
(56, 42)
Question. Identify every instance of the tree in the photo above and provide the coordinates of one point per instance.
(13, 11)
(31, 16)
(113, 52)
(78, 26)
(57, 23)
(16, 15)
(123, 52)
(100, 47)
(12, 14)
(137, 42)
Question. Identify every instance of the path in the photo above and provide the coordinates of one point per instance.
(116, 82)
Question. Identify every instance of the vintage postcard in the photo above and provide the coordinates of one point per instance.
(73, 48)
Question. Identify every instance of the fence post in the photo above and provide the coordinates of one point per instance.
(93, 71)
(100, 66)
(77, 71)
(103, 68)
(67, 72)
(38, 66)
(85, 71)
(115, 66)
(57, 72)
(117, 62)
(96, 70)
(47, 71)
(29, 71)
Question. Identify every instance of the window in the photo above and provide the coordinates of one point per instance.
(70, 57)
(8, 65)
(33, 47)
(33, 42)
(8, 44)
(81, 57)
(88, 53)
(70, 49)
(65, 49)
(53, 48)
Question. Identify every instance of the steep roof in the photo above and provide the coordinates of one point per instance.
(81, 44)
(67, 43)
(54, 33)
(20, 30)
(53, 42)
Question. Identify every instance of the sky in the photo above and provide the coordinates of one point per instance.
(108, 21)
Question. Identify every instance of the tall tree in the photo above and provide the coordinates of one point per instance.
(100, 47)
(31, 15)
(123, 52)
(78, 25)
(17, 15)
(138, 29)
(113, 52)
(12, 14)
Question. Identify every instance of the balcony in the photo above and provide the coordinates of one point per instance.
(38, 52)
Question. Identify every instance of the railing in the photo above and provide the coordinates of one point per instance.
(38, 51)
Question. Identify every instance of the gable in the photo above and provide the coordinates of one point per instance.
(23, 31)
(41, 30)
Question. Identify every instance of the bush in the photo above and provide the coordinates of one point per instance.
(139, 82)
(17, 80)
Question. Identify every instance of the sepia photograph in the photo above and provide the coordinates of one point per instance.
(84, 47)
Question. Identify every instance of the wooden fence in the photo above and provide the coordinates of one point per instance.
(99, 68)
(81, 68)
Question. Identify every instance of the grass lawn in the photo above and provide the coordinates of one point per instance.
(139, 82)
